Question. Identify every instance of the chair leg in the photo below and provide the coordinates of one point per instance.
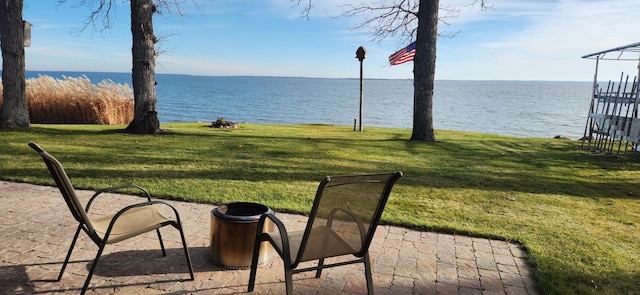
(254, 263)
(367, 273)
(320, 267)
(93, 268)
(288, 277)
(164, 253)
(186, 252)
(66, 260)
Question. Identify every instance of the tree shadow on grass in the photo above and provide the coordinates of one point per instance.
(486, 164)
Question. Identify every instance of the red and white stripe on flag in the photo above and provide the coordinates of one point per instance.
(403, 55)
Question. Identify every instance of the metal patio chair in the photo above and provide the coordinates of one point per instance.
(343, 220)
(128, 222)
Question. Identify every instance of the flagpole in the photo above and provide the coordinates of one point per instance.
(361, 53)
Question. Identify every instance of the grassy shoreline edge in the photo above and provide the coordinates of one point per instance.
(576, 213)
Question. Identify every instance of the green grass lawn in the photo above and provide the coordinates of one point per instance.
(575, 212)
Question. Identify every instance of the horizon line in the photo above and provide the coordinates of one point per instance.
(306, 77)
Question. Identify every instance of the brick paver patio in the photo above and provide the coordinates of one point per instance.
(36, 229)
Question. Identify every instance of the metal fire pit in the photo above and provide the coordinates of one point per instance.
(233, 232)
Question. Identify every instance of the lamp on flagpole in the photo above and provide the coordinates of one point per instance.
(361, 54)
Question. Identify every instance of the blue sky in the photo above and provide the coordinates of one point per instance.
(515, 40)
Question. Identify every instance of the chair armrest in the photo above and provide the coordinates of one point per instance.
(285, 252)
(116, 188)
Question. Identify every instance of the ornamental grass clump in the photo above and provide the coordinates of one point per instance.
(78, 101)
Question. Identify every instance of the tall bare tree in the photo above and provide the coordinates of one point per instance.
(14, 111)
(145, 119)
(411, 20)
(424, 70)
(143, 53)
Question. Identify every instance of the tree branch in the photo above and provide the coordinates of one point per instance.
(397, 18)
(306, 9)
(102, 11)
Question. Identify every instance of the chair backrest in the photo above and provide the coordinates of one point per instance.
(365, 196)
(64, 185)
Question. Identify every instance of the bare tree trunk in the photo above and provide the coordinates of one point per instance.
(424, 69)
(145, 118)
(14, 111)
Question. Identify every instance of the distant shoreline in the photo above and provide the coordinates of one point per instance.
(80, 73)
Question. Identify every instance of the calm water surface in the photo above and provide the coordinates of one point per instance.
(516, 108)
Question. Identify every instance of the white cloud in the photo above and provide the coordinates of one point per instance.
(552, 39)
(515, 39)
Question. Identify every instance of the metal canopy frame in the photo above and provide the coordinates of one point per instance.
(630, 52)
(625, 52)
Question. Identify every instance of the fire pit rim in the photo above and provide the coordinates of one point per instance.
(240, 212)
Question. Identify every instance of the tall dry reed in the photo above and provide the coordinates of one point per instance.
(77, 101)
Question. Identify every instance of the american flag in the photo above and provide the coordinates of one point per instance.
(403, 55)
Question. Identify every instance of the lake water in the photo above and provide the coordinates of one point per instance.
(516, 108)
